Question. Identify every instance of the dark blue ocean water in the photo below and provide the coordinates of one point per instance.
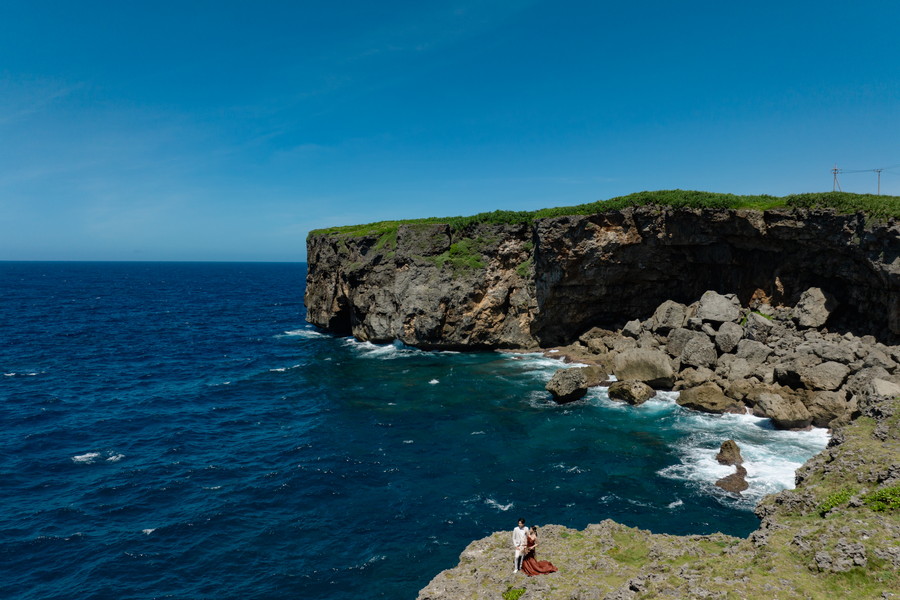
(177, 430)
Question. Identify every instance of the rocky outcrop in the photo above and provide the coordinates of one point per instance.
(568, 385)
(632, 392)
(810, 541)
(729, 454)
(543, 284)
(764, 363)
(736, 482)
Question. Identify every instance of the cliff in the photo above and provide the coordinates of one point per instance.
(837, 535)
(738, 308)
(546, 281)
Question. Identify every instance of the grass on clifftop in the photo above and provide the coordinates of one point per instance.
(877, 207)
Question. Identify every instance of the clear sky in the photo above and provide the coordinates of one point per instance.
(225, 130)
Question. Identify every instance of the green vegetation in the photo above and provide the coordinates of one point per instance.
(834, 500)
(883, 500)
(513, 593)
(462, 255)
(524, 267)
(875, 207)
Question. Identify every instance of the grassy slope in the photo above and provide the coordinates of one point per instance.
(879, 207)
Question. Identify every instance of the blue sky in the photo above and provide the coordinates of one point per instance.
(227, 130)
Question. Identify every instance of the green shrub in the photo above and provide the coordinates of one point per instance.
(834, 500)
(513, 593)
(883, 500)
(875, 207)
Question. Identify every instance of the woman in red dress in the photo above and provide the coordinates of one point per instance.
(531, 565)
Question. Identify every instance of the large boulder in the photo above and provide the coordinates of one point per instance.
(825, 407)
(717, 308)
(785, 410)
(882, 387)
(652, 367)
(729, 454)
(632, 392)
(728, 336)
(827, 376)
(670, 315)
(699, 351)
(708, 397)
(814, 308)
(753, 352)
(568, 385)
(758, 327)
(736, 482)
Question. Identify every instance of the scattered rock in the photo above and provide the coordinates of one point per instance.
(632, 329)
(736, 482)
(827, 376)
(568, 385)
(649, 366)
(718, 308)
(708, 398)
(670, 315)
(825, 407)
(729, 453)
(728, 336)
(785, 411)
(814, 308)
(632, 392)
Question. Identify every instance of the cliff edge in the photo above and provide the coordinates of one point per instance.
(544, 282)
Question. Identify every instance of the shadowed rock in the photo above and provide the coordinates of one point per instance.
(814, 308)
(729, 453)
(736, 482)
(649, 366)
(709, 398)
(568, 385)
(632, 392)
(785, 411)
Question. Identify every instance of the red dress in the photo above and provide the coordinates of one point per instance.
(532, 566)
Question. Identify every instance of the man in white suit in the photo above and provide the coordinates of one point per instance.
(519, 539)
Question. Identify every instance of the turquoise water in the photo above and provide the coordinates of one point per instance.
(178, 431)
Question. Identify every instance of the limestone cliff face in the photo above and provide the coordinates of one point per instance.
(430, 287)
(509, 286)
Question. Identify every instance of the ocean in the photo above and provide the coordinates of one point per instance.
(177, 430)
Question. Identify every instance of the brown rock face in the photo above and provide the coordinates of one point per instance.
(519, 286)
(632, 392)
(736, 482)
(729, 454)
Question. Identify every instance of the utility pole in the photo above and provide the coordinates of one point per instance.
(836, 186)
(879, 179)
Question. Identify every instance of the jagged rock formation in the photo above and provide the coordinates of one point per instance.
(837, 535)
(543, 284)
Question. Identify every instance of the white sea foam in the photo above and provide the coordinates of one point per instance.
(278, 370)
(497, 505)
(148, 531)
(407, 441)
(477, 433)
(434, 382)
(93, 457)
(381, 351)
(305, 333)
(771, 457)
(676, 503)
(86, 458)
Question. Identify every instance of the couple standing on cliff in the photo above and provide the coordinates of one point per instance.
(525, 541)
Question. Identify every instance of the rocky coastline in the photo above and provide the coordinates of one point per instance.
(793, 315)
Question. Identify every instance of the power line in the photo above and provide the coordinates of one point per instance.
(836, 185)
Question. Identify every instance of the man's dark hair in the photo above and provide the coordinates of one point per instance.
(521, 521)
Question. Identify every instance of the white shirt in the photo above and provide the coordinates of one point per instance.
(519, 536)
